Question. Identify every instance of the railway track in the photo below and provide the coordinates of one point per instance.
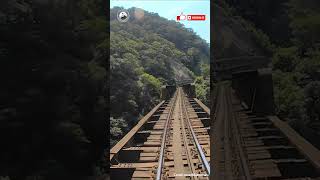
(171, 142)
(250, 146)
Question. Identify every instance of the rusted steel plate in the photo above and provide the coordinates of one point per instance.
(204, 107)
(134, 130)
(306, 148)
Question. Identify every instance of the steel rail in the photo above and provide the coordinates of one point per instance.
(239, 140)
(227, 138)
(199, 148)
(164, 137)
(188, 149)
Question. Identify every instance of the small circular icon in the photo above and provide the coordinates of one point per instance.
(123, 15)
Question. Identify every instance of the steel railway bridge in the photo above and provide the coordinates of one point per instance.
(241, 139)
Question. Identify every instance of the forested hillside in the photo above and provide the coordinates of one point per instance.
(146, 53)
(53, 118)
(292, 27)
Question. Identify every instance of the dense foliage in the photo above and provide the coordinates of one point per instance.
(53, 84)
(293, 27)
(267, 15)
(202, 85)
(146, 53)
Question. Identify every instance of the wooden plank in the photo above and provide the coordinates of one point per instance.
(263, 164)
(152, 144)
(257, 156)
(133, 131)
(143, 148)
(148, 154)
(269, 147)
(306, 148)
(148, 159)
(149, 164)
(142, 174)
(134, 165)
(204, 107)
(290, 160)
(266, 173)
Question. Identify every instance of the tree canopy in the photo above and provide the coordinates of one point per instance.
(53, 89)
(146, 53)
(292, 27)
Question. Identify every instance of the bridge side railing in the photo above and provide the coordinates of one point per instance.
(115, 149)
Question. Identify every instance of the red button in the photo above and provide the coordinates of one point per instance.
(196, 17)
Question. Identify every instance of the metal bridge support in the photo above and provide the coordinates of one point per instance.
(190, 90)
(255, 88)
(167, 92)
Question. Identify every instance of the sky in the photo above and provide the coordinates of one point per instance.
(169, 9)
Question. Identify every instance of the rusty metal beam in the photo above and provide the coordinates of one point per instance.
(203, 106)
(199, 148)
(132, 132)
(306, 148)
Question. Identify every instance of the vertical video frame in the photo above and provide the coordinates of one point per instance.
(159, 89)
